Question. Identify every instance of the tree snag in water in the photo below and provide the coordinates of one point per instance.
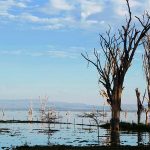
(139, 105)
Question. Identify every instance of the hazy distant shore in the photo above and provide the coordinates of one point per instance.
(59, 106)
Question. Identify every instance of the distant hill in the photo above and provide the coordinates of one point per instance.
(25, 104)
(36, 104)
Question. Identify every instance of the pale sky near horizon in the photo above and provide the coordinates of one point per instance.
(41, 43)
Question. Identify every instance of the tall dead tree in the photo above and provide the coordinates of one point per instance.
(118, 52)
(146, 65)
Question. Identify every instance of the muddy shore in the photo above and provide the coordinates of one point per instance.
(60, 147)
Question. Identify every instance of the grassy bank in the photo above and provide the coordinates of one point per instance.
(27, 121)
(124, 126)
(82, 148)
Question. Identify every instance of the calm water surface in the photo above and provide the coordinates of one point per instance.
(68, 134)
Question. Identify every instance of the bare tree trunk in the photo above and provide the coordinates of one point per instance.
(115, 136)
(149, 104)
(139, 117)
(115, 116)
(139, 138)
(148, 90)
(139, 106)
(116, 104)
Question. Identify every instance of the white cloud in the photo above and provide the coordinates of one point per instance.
(10, 52)
(7, 4)
(60, 54)
(50, 16)
(47, 23)
(132, 3)
(48, 27)
(120, 7)
(56, 6)
(147, 5)
(63, 14)
(7, 15)
(61, 5)
(35, 54)
(72, 52)
(63, 54)
(121, 11)
(91, 24)
(20, 5)
(89, 8)
(30, 18)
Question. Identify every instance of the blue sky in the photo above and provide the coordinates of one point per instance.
(41, 42)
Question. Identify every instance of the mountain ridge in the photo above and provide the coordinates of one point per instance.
(36, 105)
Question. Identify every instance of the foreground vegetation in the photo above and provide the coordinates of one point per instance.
(60, 147)
(125, 126)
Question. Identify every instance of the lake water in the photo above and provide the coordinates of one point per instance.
(68, 134)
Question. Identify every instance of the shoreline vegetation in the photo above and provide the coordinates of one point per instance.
(124, 126)
(63, 147)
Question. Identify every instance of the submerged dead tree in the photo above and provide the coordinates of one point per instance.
(146, 65)
(95, 117)
(118, 52)
(140, 107)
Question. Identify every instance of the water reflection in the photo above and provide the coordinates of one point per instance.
(139, 138)
(115, 138)
(69, 134)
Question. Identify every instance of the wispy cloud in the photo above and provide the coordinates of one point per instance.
(54, 52)
(147, 5)
(7, 5)
(61, 5)
(64, 14)
(56, 6)
(120, 6)
(61, 54)
(10, 52)
(35, 19)
(89, 8)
